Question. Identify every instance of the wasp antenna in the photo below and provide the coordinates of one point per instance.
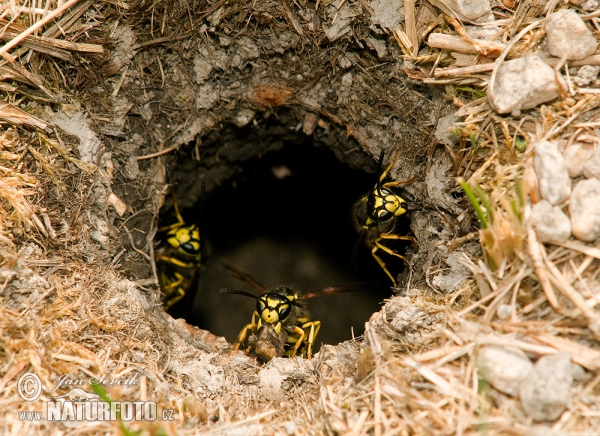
(336, 290)
(238, 292)
(244, 277)
(202, 198)
(380, 163)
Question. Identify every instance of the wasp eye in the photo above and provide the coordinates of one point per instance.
(284, 311)
(384, 215)
(188, 248)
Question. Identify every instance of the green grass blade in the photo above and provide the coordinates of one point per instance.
(471, 196)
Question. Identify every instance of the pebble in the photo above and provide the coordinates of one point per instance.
(522, 84)
(553, 177)
(444, 130)
(550, 222)
(592, 166)
(243, 117)
(586, 5)
(502, 367)
(590, 5)
(584, 209)
(586, 75)
(567, 35)
(576, 156)
(131, 169)
(504, 311)
(470, 9)
(545, 391)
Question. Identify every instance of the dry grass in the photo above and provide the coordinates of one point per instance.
(415, 371)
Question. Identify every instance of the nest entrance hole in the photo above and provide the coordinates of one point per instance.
(285, 216)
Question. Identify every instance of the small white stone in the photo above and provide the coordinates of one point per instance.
(504, 311)
(470, 9)
(522, 84)
(586, 75)
(590, 5)
(346, 60)
(545, 391)
(202, 69)
(553, 177)
(568, 35)
(592, 166)
(576, 156)
(243, 117)
(347, 80)
(584, 209)
(550, 223)
(502, 367)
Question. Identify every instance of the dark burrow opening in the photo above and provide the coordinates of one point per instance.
(287, 218)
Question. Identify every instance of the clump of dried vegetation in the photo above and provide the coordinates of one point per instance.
(64, 309)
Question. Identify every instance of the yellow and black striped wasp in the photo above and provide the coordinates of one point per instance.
(377, 212)
(281, 324)
(179, 256)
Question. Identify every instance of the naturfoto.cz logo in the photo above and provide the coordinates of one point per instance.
(80, 405)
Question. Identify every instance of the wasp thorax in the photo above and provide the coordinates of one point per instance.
(186, 239)
(273, 307)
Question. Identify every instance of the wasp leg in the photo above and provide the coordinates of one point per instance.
(179, 222)
(399, 182)
(176, 285)
(315, 326)
(398, 238)
(300, 332)
(382, 263)
(380, 246)
(242, 336)
(175, 261)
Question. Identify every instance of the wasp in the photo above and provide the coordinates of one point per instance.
(179, 256)
(377, 212)
(281, 324)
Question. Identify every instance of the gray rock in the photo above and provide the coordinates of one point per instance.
(550, 223)
(337, 27)
(387, 13)
(590, 5)
(522, 84)
(443, 130)
(568, 35)
(504, 368)
(586, 75)
(243, 117)
(131, 169)
(584, 209)
(202, 68)
(378, 45)
(545, 391)
(453, 278)
(553, 177)
(592, 166)
(576, 156)
(206, 96)
(470, 9)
